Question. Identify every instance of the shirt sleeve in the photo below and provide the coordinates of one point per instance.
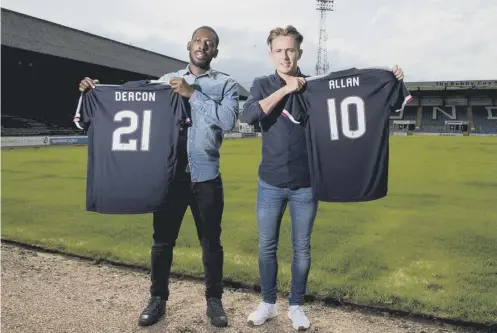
(296, 107)
(401, 96)
(252, 112)
(223, 113)
(85, 109)
(166, 77)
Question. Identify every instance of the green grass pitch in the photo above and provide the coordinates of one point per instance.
(429, 247)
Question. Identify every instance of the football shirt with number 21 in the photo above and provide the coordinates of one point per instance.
(133, 132)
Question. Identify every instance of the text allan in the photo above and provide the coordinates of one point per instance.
(344, 83)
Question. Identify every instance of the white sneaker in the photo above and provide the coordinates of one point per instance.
(298, 318)
(264, 312)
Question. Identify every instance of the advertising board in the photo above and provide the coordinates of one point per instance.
(24, 141)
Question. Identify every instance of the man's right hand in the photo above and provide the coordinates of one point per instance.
(294, 84)
(87, 83)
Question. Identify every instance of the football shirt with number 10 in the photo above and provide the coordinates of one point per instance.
(347, 132)
(133, 132)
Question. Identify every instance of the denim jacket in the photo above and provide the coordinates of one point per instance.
(214, 109)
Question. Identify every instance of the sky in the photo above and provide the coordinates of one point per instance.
(429, 39)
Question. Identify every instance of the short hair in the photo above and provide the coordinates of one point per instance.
(289, 30)
(205, 27)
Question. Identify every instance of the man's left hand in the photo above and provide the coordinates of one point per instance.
(397, 71)
(180, 86)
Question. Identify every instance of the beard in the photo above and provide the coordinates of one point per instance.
(203, 64)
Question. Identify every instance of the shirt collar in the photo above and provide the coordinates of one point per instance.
(282, 82)
(210, 72)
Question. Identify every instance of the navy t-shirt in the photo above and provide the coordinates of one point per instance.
(133, 131)
(284, 153)
(347, 131)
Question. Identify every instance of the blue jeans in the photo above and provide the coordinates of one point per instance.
(271, 205)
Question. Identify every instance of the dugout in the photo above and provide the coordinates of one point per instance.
(43, 62)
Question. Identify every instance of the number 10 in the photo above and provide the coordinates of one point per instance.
(344, 116)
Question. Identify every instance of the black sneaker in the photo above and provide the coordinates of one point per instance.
(216, 312)
(153, 312)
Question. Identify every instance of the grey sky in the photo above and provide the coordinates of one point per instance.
(429, 39)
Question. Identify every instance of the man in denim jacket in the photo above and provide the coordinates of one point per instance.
(212, 97)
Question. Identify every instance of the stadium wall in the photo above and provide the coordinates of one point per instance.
(439, 134)
(37, 141)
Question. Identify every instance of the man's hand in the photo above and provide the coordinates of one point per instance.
(180, 86)
(294, 84)
(397, 71)
(87, 83)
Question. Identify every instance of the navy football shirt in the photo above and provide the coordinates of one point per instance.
(347, 132)
(133, 132)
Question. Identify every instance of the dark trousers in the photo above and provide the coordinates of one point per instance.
(206, 202)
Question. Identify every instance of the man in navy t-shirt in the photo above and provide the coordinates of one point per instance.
(284, 175)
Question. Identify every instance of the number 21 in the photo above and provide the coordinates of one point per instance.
(344, 116)
(117, 144)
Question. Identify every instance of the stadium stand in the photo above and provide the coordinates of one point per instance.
(434, 117)
(27, 57)
(34, 50)
(409, 114)
(481, 121)
(455, 107)
(20, 126)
